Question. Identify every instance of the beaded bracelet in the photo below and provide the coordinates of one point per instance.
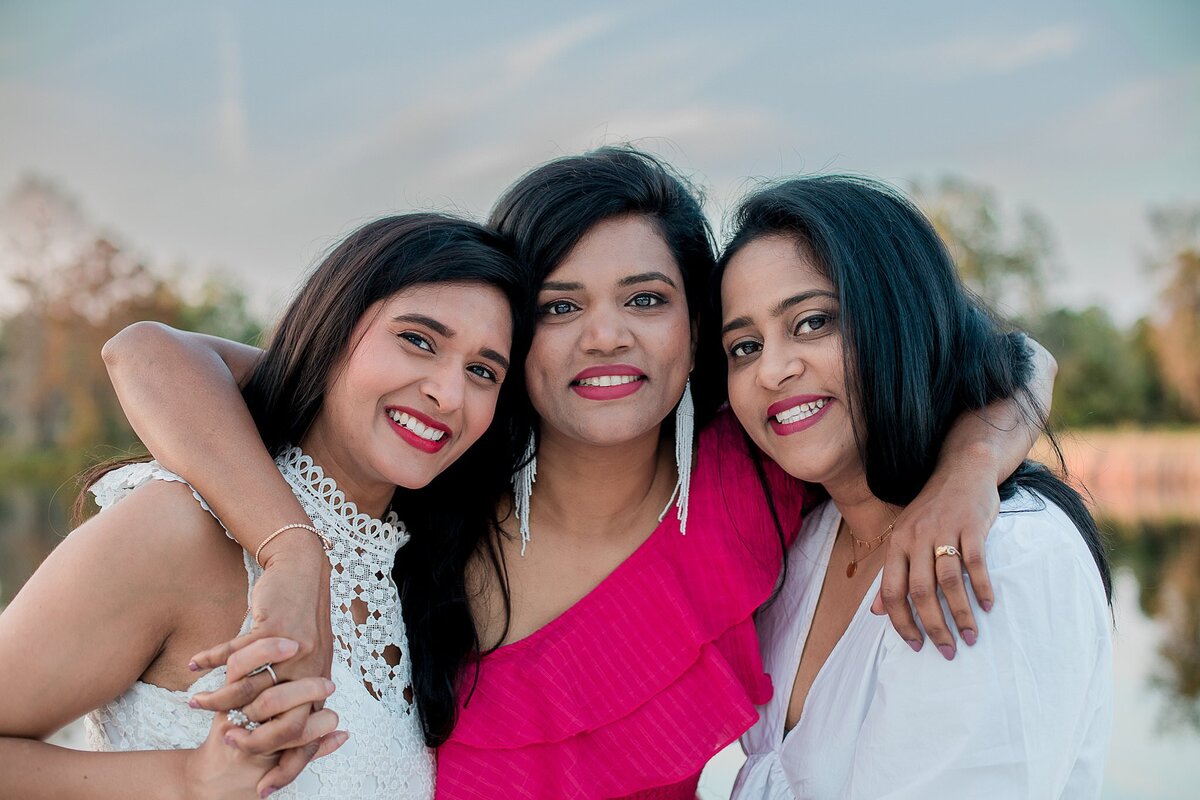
(328, 545)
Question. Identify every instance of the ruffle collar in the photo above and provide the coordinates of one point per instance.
(665, 643)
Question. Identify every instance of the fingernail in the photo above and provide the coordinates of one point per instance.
(229, 740)
(193, 666)
(947, 651)
(916, 644)
(986, 605)
(969, 637)
(270, 790)
(329, 687)
(289, 647)
(193, 703)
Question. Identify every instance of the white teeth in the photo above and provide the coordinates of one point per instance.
(416, 426)
(608, 380)
(802, 411)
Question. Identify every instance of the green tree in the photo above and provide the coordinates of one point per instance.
(1005, 259)
(1176, 336)
(1104, 378)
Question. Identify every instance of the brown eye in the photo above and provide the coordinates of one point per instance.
(558, 308)
(645, 300)
(743, 349)
(417, 340)
(812, 323)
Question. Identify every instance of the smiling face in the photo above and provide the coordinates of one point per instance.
(417, 388)
(781, 338)
(613, 344)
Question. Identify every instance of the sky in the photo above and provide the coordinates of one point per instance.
(245, 138)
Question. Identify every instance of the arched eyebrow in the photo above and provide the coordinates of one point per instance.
(441, 329)
(628, 280)
(429, 322)
(647, 277)
(778, 309)
(488, 352)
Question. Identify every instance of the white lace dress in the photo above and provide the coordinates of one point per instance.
(386, 756)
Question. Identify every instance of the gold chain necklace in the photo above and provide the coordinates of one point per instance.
(870, 544)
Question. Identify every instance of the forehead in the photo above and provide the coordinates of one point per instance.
(475, 309)
(766, 269)
(616, 247)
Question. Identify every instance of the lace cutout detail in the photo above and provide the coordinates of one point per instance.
(366, 606)
(387, 757)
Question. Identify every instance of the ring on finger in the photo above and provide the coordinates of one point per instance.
(238, 717)
(267, 668)
(945, 550)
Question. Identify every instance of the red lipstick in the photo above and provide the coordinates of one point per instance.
(807, 417)
(590, 391)
(410, 436)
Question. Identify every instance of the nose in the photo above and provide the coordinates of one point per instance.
(605, 331)
(446, 386)
(776, 366)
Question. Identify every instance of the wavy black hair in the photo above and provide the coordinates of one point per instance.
(920, 348)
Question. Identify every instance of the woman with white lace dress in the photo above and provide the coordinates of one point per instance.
(383, 371)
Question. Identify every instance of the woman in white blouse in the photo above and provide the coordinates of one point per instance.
(382, 373)
(851, 344)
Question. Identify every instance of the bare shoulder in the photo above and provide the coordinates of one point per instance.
(99, 611)
(159, 529)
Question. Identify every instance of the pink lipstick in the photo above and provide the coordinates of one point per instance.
(608, 382)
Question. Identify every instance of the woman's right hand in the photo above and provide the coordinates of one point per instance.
(289, 607)
(233, 762)
(291, 631)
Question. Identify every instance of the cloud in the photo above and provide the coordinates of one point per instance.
(526, 59)
(992, 54)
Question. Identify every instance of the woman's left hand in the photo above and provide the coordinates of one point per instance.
(957, 508)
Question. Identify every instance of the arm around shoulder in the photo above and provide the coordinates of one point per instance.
(1027, 710)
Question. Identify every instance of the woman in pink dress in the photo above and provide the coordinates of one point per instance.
(595, 636)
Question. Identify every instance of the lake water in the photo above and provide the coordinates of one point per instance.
(1155, 753)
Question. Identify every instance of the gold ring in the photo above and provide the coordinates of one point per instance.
(945, 550)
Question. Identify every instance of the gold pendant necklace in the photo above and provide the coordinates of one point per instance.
(870, 546)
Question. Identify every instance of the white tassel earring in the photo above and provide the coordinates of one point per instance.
(685, 424)
(523, 489)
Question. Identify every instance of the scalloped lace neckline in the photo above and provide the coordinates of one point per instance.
(307, 476)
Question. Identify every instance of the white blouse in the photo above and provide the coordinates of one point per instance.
(386, 756)
(1024, 713)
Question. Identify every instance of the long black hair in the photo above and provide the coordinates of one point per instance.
(920, 349)
(449, 517)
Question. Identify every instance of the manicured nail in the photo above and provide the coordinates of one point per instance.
(916, 644)
(193, 666)
(193, 703)
(986, 605)
(330, 686)
(947, 651)
(270, 790)
(288, 647)
(969, 637)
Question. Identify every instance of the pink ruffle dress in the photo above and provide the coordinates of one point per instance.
(635, 687)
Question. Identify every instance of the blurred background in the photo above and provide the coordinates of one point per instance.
(188, 163)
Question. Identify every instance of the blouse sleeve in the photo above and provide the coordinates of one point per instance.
(1026, 712)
